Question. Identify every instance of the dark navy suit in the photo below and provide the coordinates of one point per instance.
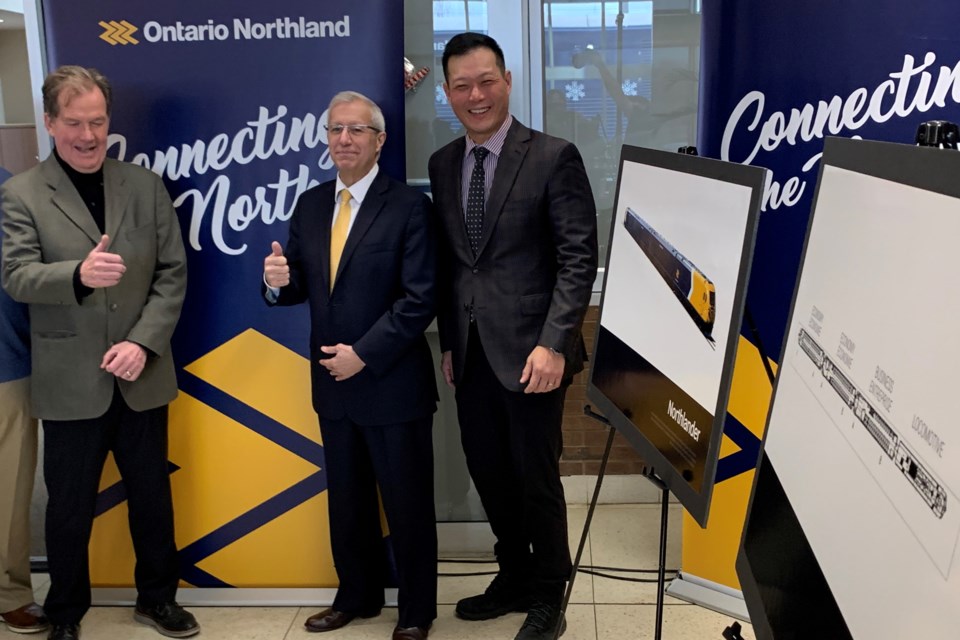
(376, 425)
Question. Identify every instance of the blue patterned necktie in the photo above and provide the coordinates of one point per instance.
(475, 199)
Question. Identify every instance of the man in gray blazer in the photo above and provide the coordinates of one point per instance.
(93, 246)
(518, 247)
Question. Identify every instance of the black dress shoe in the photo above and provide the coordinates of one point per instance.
(331, 619)
(64, 632)
(411, 633)
(542, 622)
(507, 593)
(169, 619)
(27, 619)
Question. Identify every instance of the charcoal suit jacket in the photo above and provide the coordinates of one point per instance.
(531, 280)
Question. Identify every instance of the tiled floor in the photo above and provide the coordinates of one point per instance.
(600, 609)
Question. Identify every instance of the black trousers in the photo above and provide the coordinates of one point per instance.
(399, 459)
(73, 458)
(513, 442)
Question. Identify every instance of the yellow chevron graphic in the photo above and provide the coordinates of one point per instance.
(115, 33)
(227, 470)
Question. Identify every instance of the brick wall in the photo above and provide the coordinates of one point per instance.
(584, 438)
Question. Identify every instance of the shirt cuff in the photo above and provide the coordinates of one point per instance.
(272, 294)
(80, 290)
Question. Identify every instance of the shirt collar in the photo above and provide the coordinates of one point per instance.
(76, 177)
(493, 144)
(358, 190)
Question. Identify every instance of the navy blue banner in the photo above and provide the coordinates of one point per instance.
(779, 77)
(227, 101)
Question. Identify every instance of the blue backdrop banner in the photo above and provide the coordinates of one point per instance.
(227, 101)
(779, 77)
(776, 79)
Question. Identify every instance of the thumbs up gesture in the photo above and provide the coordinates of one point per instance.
(101, 268)
(276, 273)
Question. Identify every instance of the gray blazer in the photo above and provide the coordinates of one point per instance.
(531, 281)
(48, 231)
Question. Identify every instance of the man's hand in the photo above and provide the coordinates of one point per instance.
(101, 269)
(125, 360)
(344, 364)
(446, 366)
(543, 371)
(276, 273)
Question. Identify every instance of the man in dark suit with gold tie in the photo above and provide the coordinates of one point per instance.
(93, 246)
(518, 258)
(362, 253)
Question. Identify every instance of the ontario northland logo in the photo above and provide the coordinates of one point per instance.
(115, 33)
(121, 32)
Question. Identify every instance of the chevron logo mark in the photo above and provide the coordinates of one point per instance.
(115, 33)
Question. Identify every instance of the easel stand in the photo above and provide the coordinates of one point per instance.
(650, 475)
(733, 632)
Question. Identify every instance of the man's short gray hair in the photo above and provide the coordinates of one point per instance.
(376, 115)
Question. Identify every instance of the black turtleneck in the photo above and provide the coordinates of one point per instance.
(90, 188)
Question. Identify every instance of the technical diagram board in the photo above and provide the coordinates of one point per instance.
(861, 433)
(670, 314)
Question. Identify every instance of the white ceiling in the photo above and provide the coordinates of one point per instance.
(11, 12)
(11, 20)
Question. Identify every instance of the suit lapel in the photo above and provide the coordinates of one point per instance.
(508, 168)
(325, 219)
(370, 208)
(66, 198)
(116, 194)
(454, 187)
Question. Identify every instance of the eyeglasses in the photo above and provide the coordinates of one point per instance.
(352, 129)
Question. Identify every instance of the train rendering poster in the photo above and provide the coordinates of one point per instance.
(862, 431)
(672, 303)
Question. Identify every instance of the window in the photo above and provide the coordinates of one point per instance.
(616, 73)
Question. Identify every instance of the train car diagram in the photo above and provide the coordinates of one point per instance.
(892, 445)
(695, 291)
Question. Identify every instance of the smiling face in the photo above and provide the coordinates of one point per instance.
(354, 153)
(79, 130)
(478, 92)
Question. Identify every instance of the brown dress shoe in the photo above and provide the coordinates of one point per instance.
(27, 619)
(411, 633)
(331, 619)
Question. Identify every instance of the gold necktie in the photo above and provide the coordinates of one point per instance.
(338, 235)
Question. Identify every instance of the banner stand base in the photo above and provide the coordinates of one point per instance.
(241, 597)
(711, 595)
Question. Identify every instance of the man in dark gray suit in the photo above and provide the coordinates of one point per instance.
(518, 259)
(93, 246)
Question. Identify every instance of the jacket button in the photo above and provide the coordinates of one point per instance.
(113, 306)
(476, 270)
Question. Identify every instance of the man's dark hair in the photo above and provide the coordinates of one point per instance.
(464, 43)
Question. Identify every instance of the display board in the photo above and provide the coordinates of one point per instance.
(860, 433)
(680, 250)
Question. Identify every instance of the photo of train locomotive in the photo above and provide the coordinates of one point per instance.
(694, 290)
(890, 442)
